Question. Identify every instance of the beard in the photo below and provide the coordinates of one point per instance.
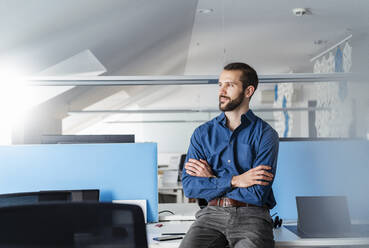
(232, 103)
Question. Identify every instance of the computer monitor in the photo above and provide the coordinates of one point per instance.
(83, 139)
(24, 198)
(71, 225)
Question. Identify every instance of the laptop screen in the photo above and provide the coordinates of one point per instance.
(322, 215)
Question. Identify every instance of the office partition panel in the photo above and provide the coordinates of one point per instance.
(314, 168)
(120, 171)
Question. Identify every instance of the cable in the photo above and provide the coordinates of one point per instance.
(166, 211)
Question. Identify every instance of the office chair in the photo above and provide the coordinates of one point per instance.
(72, 225)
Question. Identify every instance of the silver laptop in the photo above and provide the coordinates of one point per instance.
(325, 217)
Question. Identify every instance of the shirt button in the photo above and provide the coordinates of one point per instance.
(229, 161)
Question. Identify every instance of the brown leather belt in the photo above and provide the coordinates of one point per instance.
(228, 202)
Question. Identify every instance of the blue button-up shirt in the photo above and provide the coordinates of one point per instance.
(229, 153)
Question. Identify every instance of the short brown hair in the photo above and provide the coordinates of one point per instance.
(249, 75)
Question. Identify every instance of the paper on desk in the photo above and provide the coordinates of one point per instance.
(176, 217)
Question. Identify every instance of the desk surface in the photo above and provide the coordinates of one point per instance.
(184, 211)
(283, 237)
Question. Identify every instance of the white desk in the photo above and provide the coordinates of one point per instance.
(185, 211)
(283, 237)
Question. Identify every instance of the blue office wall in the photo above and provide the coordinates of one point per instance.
(310, 168)
(120, 171)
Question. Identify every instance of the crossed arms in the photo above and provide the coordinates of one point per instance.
(258, 175)
(253, 185)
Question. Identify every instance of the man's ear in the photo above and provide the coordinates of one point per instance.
(249, 91)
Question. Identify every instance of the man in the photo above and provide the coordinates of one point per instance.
(231, 162)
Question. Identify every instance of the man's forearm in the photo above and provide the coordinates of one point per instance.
(206, 187)
(259, 175)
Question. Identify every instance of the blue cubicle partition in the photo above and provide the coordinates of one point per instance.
(314, 168)
(120, 171)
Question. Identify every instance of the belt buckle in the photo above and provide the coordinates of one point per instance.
(226, 202)
(221, 202)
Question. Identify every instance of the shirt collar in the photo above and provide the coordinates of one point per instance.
(249, 115)
(222, 119)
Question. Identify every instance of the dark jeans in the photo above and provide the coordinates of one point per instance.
(230, 226)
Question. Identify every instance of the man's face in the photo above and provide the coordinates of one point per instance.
(231, 93)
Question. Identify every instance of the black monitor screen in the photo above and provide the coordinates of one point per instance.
(24, 198)
(83, 139)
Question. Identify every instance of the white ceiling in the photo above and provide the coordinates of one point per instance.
(168, 37)
(171, 37)
(127, 37)
(267, 34)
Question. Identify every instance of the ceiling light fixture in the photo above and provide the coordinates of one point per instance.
(204, 11)
(320, 42)
(301, 11)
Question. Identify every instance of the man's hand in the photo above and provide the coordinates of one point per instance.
(252, 177)
(198, 168)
